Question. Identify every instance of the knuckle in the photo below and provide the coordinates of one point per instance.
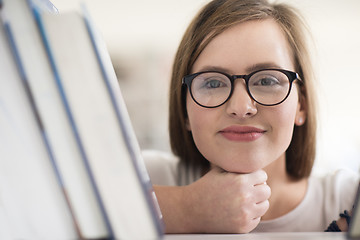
(241, 179)
(265, 191)
(262, 175)
(248, 226)
(267, 205)
(246, 198)
(245, 216)
(265, 175)
(268, 191)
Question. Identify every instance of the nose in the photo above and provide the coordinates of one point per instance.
(240, 104)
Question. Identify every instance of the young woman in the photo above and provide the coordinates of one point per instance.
(243, 128)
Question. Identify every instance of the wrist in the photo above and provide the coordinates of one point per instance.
(342, 224)
(174, 208)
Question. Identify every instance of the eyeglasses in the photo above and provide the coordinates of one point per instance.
(267, 87)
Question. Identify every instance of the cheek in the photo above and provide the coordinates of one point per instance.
(198, 117)
(284, 118)
(201, 123)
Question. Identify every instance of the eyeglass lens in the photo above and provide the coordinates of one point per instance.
(267, 87)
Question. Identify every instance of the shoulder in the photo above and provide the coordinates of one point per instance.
(340, 181)
(326, 197)
(161, 166)
(338, 188)
(165, 168)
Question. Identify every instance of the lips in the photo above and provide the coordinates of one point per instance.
(242, 133)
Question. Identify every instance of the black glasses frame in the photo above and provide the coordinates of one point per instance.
(292, 76)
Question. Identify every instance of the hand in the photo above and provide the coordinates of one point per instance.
(342, 222)
(219, 202)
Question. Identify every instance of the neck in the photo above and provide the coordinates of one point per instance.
(276, 172)
(286, 192)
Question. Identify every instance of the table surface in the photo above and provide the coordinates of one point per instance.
(261, 236)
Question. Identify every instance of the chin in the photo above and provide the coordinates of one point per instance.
(242, 168)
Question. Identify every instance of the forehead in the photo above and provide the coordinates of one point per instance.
(245, 45)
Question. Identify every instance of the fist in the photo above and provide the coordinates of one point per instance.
(223, 202)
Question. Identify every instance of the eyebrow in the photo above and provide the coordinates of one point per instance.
(214, 68)
(264, 65)
(248, 70)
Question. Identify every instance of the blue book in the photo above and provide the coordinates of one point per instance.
(122, 115)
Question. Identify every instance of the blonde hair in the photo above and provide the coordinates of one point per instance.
(213, 19)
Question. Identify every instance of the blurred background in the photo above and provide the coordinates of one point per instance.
(142, 37)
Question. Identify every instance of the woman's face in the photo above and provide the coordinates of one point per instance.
(241, 135)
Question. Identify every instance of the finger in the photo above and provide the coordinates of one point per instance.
(258, 177)
(251, 225)
(261, 208)
(262, 192)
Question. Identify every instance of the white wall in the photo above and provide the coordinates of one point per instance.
(143, 35)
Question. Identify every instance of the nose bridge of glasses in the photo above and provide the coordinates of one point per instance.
(239, 77)
(240, 101)
(241, 83)
(235, 77)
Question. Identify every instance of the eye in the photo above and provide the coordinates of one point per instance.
(213, 83)
(266, 81)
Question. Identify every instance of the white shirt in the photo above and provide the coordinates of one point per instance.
(325, 199)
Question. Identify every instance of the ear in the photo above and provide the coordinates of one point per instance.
(300, 119)
(301, 111)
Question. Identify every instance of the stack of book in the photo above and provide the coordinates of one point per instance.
(70, 165)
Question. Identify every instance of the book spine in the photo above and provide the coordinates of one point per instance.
(68, 111)
(145, 183)
(34, 109)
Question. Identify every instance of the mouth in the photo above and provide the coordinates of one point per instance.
(242, 133)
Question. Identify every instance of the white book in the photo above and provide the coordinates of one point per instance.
(32, 205)
(66, 151)
(88, 81)
(354, 228)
